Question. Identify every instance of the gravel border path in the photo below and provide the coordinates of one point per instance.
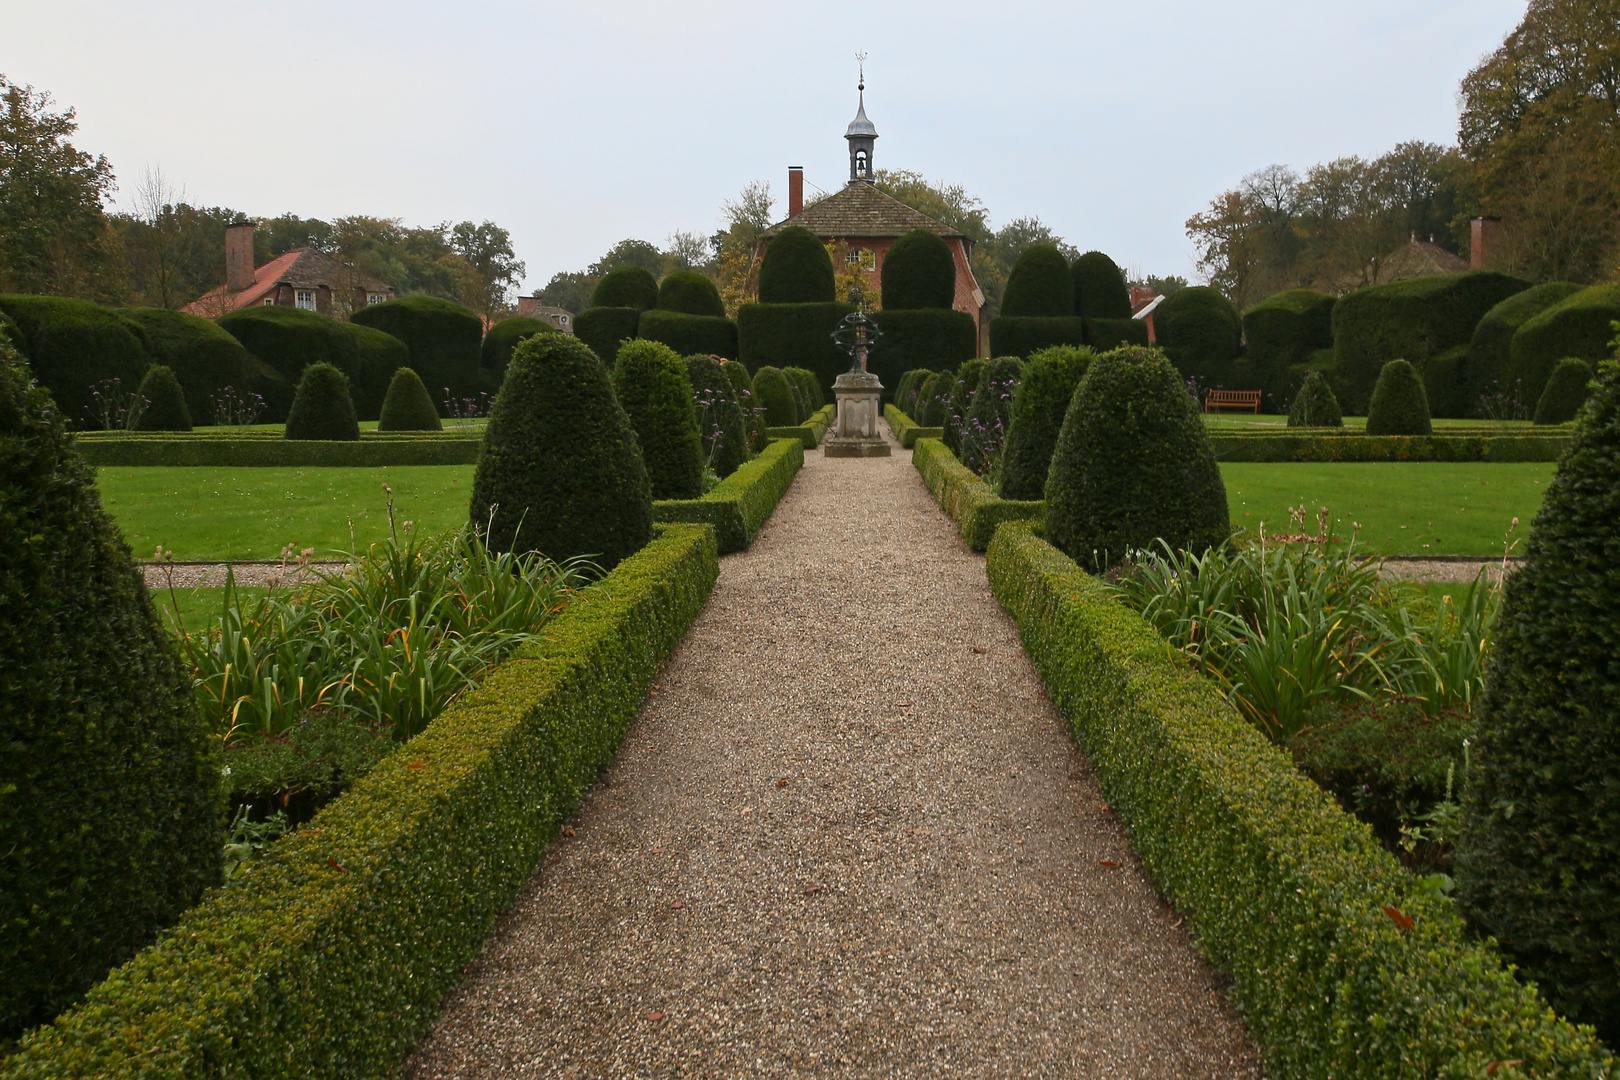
(848, 835)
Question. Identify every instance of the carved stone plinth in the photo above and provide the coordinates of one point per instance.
(856, 434)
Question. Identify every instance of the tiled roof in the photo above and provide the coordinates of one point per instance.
(860, 209)
(300, 268)
(1419, 259)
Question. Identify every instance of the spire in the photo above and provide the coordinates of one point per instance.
(861, 134)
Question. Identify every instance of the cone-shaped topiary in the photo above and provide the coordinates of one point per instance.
(809, 387)
(502, 338)
(1314, 404)
(984, 432)
(111, 816)
(322, 407)
(961, 400)
(719, 418)
(796, 269)
(919, 272)
(935, 399)
(1048, 384)
(1040, 284)
(1399, 404)
(1539, 864)
(626, 286)
(753, 413)
(689, 293)
(650, 382)
(560, 471)
(1133, 465)
(1201, 331)
(408, 406)
(911, 385)
(165, 401)
(1100, 291)
(1566, 392)
(773, 393)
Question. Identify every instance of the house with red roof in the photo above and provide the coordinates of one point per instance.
(302, 278)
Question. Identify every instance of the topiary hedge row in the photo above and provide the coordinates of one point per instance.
(1566, 392)
(1314, 405)
(1100, 291)
(774, 394)
(720, 421)
(1027, 335)
(271, 450)
(739, 505)
(688, 334)
(792, 335)
(71, 345)
(289, 339)
(742, 387)
(808, 433)
(651, 385)
(975, 507)
(796, 269)
(1581, 325)
(1049, 381)
(1354, 446)
(1286, 327)
(445, 341)
(918, 337)
(1491, 346)
(165, 401)
(1399, 404)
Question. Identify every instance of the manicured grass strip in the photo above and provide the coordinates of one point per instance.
(1236, 421)
(198, 608)
(742, 502)
(1321, 446)
(244, 513)
(906, 430)
(330, 958)
(1341, 962)
(1404, 508)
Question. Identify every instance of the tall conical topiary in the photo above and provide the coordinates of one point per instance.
(322, 407)
(719, 419)
(1040, 284)
(1539, 864)
(1314, 404)
(935, 398)
(1100, 291)
(1044, 392)
(772, 390)
(796, 269)
(407, 405)
(985, 431)
(919, 272)
(165, 401)
(809, 389)
(650, 382)
(1566, 391)
(1399, 404)
(560, 471)
(753, 413)
(961, 400)
(110, 807)
(626, 286)
(910, 387)
(1133, 465)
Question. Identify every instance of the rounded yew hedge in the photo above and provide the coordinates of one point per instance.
(1399, 404)
(322, 407)
(919, 271)
(165, 401)
(796, 269)
(408, 406)
(1040, 285)
(651, 385)
(1100, 291)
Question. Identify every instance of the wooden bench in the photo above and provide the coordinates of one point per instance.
(1216, 400)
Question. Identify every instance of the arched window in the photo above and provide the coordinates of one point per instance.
(860, 163)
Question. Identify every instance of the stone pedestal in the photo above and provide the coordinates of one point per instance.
(856, 434)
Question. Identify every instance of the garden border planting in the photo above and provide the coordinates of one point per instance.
(270, 449)
(331, 957)
(972, 504)
(739, 505)
(1323, 446)
(906, 430)
(1343, 963)
(811, 431)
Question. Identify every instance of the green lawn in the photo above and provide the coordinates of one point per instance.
(1404, 507)
(198, 607)
(1233, 422)
(251, 513)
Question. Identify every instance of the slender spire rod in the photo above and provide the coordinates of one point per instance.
(860, 58)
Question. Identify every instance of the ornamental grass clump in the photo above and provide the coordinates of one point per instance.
(1314, 404)
(1047, 385)
(322, 407)
(1539, 866)
(165, 401)
(110, 815)
(408, 406)
(650, 381)
(774, 393)
(1133, 465)
(1399, 404)
(720, 420)
(1566, 392)
(984, 432)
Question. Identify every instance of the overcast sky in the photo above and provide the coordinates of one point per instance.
(577, 125)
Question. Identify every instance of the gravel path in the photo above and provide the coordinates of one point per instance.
(847, 836)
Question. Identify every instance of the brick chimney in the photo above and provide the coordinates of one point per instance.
(795, 189)
(1483, 233)
(238, 256)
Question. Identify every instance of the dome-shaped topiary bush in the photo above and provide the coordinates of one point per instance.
(604, 329)
(774, 393)
(204, 358)
(1133, 465)
(919, 272)
(742, 387)
(627, 286)
(690, 293)
(960, 401)
(810, 388)
(165, 401)
(322, 407)
(1538, 867)
(1047, 385)
(1201, 331)
(1565, 393)
(1490, 350)
(1399, 404)
(1314, 405)
(1100, 291)
(111, 814)
(720, 420)
(503, 337)
(651, 384)
(1580, 325)
(796, 269)
(911, 384)
(984, 431)
(934, 399)
(445, 342)
(408, 407)
(72, 345)
(1287, 327)
(560, 471)
(1040, 285)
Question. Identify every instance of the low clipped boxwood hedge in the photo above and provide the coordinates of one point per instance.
(906, 430)
(269, 449)
(1324, 446)
(603, 328)
(739, 505)
(710, 335)
(972, 503)
(1342, 963)
(1022, 335)
(810, 432)
(330, 958)
(918, 337)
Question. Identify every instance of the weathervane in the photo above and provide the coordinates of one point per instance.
(860, 58)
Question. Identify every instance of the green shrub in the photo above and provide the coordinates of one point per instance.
(1105, 335)
(1411, 319)
(795, 335)
(561, 472)
(625, 286)
(165, 401)
(204, 357)
(1342, 445)
(110, 817)
(1133, 465)
(1565, 393)
(688, 334)
(919, 336)
(1287, 327)
(742, 386)
(961, 400)
(1541, 850)
(774, 394)
(1314, 405)
(1399, 404)
(651, 385)
(1443, 382)
(919, 271)
(71, 345)
(268, 449)
(445, 342)
(1040, 286)
(604, 329)
(408, 406)
(1049, 381)
(1100, 291)
(502, 338)
(905, 395)
(1490, 349)
(814, 396)
(977, 510)
(796, 269)
(1201, 331)
(1027, 335)
(984, 430)
(719, 418)
(1581, 325)
(690, 293)
(290, 339)
(741, 503)
(9, 331)
(935, 398)
(322, 407)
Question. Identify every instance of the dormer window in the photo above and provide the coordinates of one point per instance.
(376, 298)
(304, 299)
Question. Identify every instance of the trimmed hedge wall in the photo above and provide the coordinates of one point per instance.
(445, 342)
(627, 286)
(808, 433)
(270, 450)
(1201, 331)
(204, 357)
(290, 339)
(1580, 325)
(792, 335)
(690, 293)
(739, 505)
(503, 337)
(1022, 335)
(1040, 286)
(796, 269)
(1287, 327)
(1043, 397)
(1100, 291)
(1490, 350)
(1353, 446)
(603, 328)
(918, 337)
(971, 503)
(71, 345)
(1105, 335)
(907, 431)
(919, 272)
(370, 911)
(709, 335)
(1288, 896)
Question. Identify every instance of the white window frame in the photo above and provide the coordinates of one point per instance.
(302, 295)
(376, 298)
